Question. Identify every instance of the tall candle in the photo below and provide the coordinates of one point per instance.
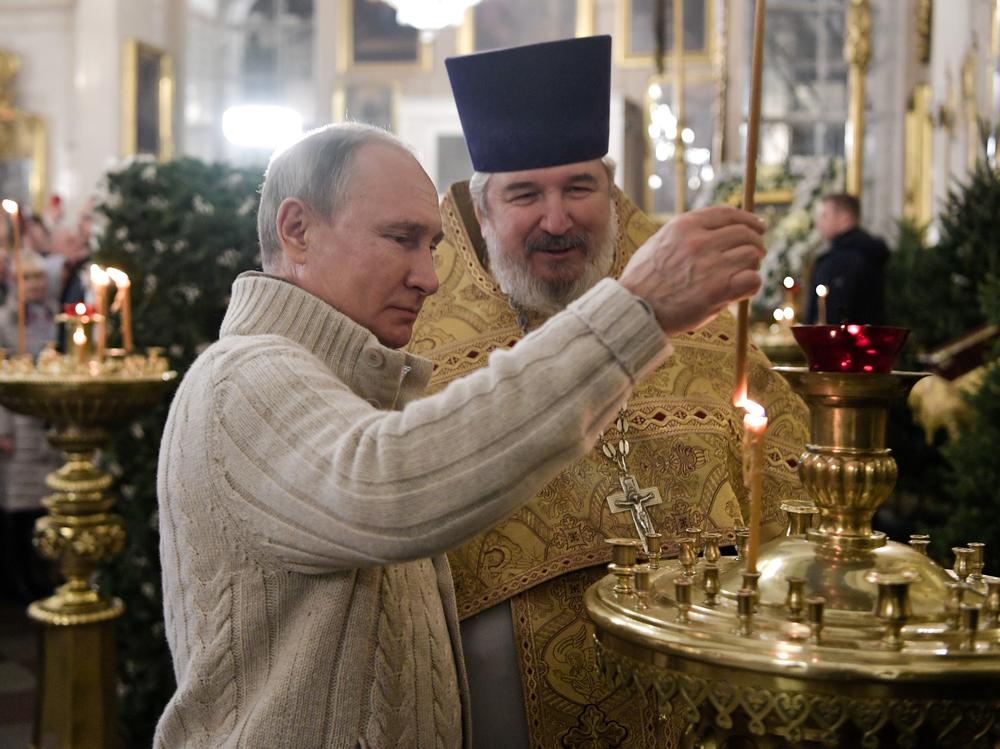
(123, 305)
(754, 427)
(12, 208)
(80, 345)
(821, 292)
(680, 165)
(749, 186)
(99, 280)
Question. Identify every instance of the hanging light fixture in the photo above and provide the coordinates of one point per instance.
(430, 16)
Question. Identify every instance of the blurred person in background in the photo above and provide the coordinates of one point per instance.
(26, 457)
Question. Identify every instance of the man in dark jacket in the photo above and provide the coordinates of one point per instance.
(852, 270)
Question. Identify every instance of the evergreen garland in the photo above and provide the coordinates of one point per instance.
(183, 231)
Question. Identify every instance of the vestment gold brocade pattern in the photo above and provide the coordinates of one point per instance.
(685, 440)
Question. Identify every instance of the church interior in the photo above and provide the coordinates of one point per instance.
(134, 135)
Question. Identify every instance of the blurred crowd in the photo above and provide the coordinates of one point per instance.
(55, 259)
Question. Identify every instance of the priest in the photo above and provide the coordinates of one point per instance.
(540, 223)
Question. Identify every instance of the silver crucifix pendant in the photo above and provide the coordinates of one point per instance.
(635, 500)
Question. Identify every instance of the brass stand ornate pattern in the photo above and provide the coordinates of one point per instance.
(76, 706)
(798, 712)
(845, 638)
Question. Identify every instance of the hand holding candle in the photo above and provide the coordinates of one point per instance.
(123, 305)
(12, 208)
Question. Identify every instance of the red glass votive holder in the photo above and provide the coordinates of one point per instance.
(850, 348)
(78, 309)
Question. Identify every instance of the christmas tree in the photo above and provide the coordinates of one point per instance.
(182, 231)
(942, 292)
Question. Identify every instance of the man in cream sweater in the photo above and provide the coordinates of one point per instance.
(307, 493)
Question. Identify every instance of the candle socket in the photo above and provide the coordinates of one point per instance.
(977, 562)
(744, 612)
(963, 562)
(892, 607)
(920, 542)
(643, 585)
(814, 612)
(969, 625)
(991, 606)
(712, 554)
(682, 594)
(695, 534)
(953, 603)
(799, 518)
(686, 556)
(742, 539)
(796, 598)
(751, 582)
(654, 543)
(623, 554)
(711, 584)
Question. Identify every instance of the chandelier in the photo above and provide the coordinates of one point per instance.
(430, 16)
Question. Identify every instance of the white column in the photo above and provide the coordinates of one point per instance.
(884, 138)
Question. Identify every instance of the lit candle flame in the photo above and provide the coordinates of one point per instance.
(79, 337)
(755, 417)
(119, 278)
(80, 308)
(822, 291)
(10, 206)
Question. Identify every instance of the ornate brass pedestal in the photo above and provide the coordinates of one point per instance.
(77, 706)
(844, 639)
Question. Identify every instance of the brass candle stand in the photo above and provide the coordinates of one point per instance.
(83, 401)
(846, 638)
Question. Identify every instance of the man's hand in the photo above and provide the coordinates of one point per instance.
(696, 265)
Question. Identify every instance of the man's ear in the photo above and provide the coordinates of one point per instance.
(292, 223)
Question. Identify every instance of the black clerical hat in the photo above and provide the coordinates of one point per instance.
(535, 106)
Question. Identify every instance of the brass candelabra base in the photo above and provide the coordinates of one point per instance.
(77, 706)
(843, 637)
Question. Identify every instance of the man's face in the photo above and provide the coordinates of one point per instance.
(372, 259)
(831, 221)
(550, 232)
(35, 286)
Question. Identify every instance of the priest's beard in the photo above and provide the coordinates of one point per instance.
(511, 270)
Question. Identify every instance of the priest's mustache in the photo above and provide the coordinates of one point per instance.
(551, 243)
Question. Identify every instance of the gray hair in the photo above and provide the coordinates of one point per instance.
(480, 182)
(315, 169)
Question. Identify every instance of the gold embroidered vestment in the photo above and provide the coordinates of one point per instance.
(685, 437)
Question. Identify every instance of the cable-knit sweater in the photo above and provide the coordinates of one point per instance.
(307, 497)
